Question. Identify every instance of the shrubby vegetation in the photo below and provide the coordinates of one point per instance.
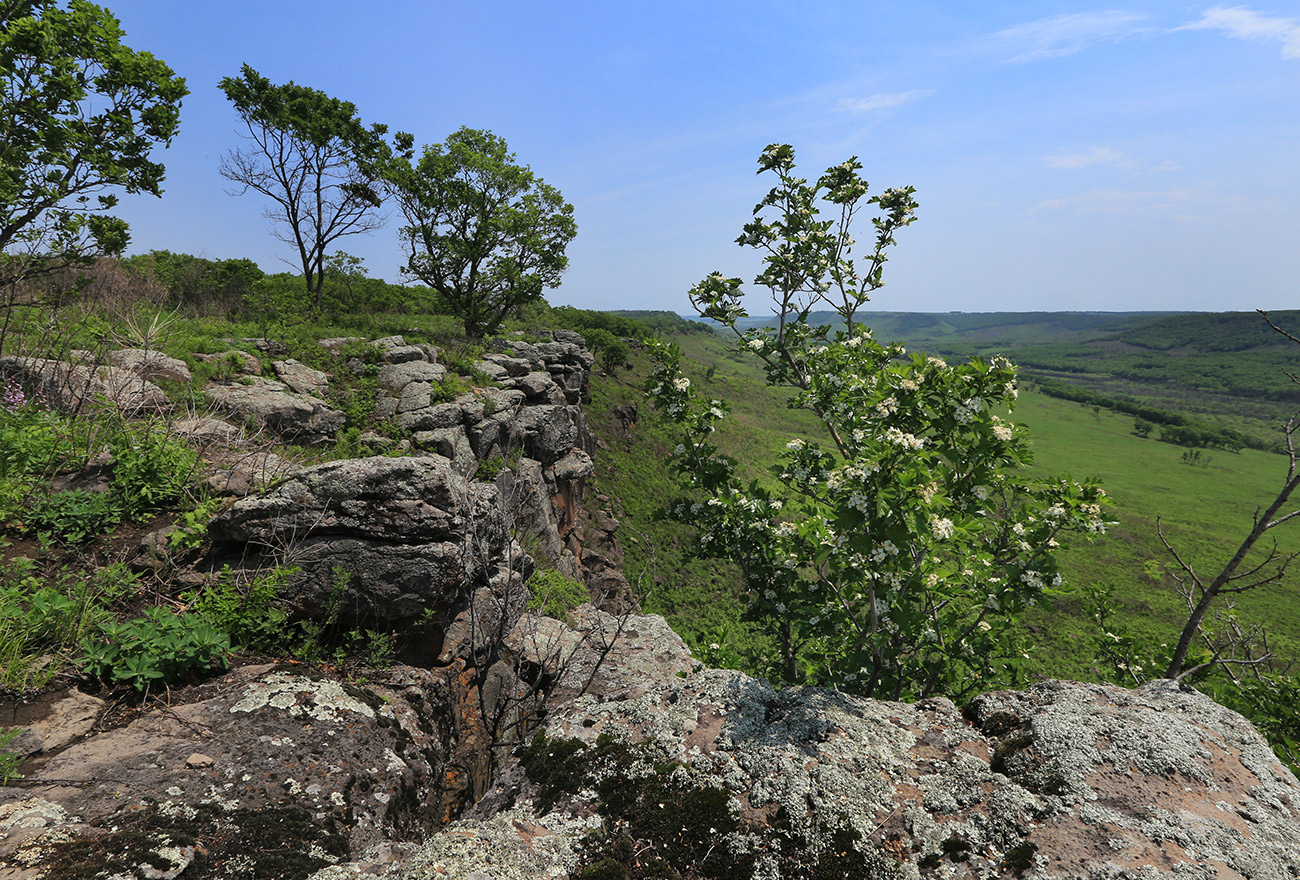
(896, 562)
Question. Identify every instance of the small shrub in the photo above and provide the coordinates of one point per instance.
(366, 352)
(248, 609)
(489, 469)
(151, 469)
(191, 527)
(9, 761)
(611, 350)
(554, 594)
(447, 389)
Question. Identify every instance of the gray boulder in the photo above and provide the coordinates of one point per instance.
(149, 364)
(273, 406)
(1064, 781)
(71, 386)
(301, 378)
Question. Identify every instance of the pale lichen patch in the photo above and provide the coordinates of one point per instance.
(301, 698)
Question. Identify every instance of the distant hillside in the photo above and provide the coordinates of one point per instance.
(1228, 369)
(1159, 331)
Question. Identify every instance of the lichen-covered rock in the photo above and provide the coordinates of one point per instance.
(1061, 781)
(71, 386)
(205, 431)
(239, 472)
(272, 405)
(300, 377)
(342, 766)
(395, 377)
(150, 364)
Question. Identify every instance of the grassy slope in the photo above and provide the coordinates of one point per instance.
(1205, 508)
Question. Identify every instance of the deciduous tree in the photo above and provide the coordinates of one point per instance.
(485, 233)
(311, 155)
(80, 115)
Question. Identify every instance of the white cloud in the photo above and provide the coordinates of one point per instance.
(1178, 203)
(1095, 156)
(882, 100)
(1060, 35)
(1246, 24)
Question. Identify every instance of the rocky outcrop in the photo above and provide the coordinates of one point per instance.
(645, 757)
(74, 385)
(272, 405)
(712, 773)
(410, 537)
(642, 758)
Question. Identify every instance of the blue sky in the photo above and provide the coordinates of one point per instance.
(1065, 156)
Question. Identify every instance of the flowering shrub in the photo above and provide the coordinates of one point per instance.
(894, 560)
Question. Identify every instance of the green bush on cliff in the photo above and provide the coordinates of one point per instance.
(896, 562)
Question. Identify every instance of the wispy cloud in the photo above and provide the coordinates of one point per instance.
(882, 100)
(1246, 24)
(1095, 156)
(1179, 203)
(1060, 35)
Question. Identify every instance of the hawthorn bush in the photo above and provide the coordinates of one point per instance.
(894, 557)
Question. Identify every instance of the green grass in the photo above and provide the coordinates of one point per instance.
(1206, 511)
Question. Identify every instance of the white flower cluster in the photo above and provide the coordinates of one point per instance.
(1002, 430)
(941, 528)
(756, 344)
(681, 383)
(903, 440)
(885, 548)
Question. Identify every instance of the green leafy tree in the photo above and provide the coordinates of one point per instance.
(80, 113)
(484, 233)
(896, 562)
(311, 155)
